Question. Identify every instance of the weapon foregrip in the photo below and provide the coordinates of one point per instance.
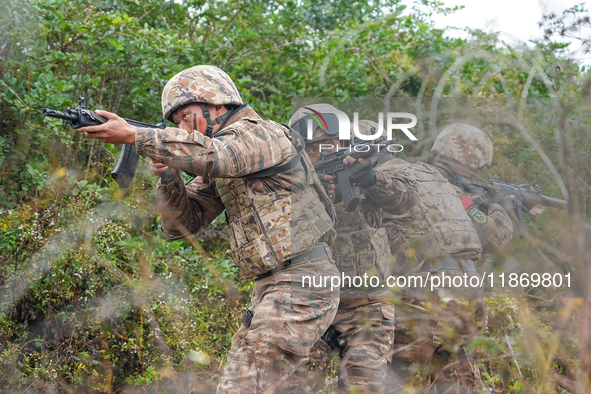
(331, 337)
(126, 166)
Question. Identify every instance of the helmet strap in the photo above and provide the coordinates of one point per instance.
(453, 166)
(212, 123)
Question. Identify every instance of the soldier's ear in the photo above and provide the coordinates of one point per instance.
(220, 109)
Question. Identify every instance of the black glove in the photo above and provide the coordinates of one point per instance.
(363, 176)
(493, 196)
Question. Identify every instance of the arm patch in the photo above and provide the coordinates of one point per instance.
(477, 215)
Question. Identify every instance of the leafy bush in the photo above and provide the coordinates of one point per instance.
(92, 300)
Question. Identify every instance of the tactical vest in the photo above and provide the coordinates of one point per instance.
(360, 249)
(266, 229)
(437, 226)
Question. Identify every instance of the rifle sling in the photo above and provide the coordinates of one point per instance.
(284, 167)
(276, 169)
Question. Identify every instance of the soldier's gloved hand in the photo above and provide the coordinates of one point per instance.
(493, 196)
(364, 176)
(328, 183)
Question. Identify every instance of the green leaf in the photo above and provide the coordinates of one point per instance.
(115, 43)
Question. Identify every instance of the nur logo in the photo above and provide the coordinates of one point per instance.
(334, 122)
(317, 116)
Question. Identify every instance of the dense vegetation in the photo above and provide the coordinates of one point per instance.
(92, 300)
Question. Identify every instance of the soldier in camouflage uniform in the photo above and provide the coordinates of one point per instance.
(445, 231)
(364, 323)
(278, 215)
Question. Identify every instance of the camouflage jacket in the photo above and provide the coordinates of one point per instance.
(259, 210)
(495, 230)
(439, 226)
(361, 246)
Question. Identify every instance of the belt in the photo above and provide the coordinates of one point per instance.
(449, 264)
(318, 252)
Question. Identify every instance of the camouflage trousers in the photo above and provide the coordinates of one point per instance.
(287, 319)
(367, 332)
(430, 339)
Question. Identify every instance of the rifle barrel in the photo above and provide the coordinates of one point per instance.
(554, 202)
(59, 115)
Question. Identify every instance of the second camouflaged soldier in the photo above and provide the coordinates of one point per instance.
(278, 215)
(364, 323)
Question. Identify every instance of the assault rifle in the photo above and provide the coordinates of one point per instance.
(81, 117)
(332, 164)
(523, 199)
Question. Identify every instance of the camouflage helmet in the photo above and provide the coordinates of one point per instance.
(467, 145)
(199, 84)
(366, 127)
(327, 122)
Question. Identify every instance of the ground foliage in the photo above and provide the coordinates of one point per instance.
(92, 300)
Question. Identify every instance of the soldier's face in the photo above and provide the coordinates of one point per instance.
(190, 117)
(313, 148)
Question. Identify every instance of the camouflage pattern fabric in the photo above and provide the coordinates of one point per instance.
(268, 228)
(466, 144)
(368, 127)
(288, 318)
(360, 249)
(271, 218)
(364, 320)
(436, 226)
(394, 192)
(430, 330)
(367, 332)
(199, 84)
(245, 145)
(361, 246)
(497, 231)
(285, 325)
